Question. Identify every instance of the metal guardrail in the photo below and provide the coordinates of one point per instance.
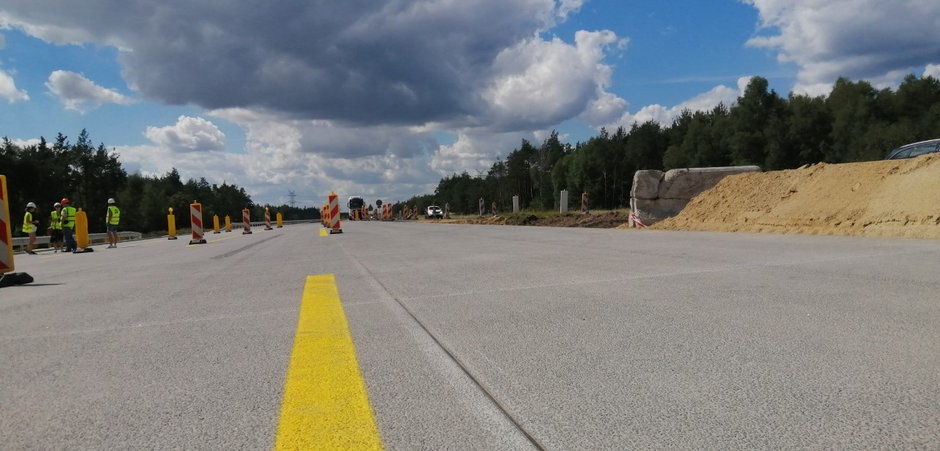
(22, 241)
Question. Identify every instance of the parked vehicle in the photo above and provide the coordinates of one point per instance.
(434, 211)
(914, 149)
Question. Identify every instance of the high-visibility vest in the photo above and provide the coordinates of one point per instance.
(68, 217)
(28, 226)
(55, 220)
(115, 215)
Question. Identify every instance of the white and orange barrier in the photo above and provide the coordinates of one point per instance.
(267, 219)
(7, 276)
(246, 221)
(195, 220)
(333, 201)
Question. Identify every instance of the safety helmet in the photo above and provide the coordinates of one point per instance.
(56, 205)
(30, 205)
(65, 200)
(111, 200)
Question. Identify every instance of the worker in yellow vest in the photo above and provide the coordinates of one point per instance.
(55, 227)
(112, 220)
(30, 225)
(68, 224)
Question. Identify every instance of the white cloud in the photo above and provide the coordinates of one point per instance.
(190, 134)
(8, 89)
(932, 70)
(859, 39)
(79, 93)
(665, 115)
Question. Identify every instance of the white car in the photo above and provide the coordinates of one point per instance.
(434, 211)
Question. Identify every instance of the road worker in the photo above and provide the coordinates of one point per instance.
(30, 225)
(68, 224)
(55, 227)
(112, 220)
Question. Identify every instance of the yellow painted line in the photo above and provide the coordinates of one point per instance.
(323, 232)
(325, 405)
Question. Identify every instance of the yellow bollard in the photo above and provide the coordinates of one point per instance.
(81, 232)
(171, 225)
(215, 224)
(228, 223)
(280, 220)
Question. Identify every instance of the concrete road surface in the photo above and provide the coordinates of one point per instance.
(484, 337)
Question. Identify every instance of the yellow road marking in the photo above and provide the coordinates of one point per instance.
(325, 405)
(323, 232)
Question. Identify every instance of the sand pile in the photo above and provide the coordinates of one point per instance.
(896, 198)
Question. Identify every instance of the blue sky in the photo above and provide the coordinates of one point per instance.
(382, 99)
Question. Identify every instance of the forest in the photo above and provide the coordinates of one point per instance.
(855, 122)
(89, 175)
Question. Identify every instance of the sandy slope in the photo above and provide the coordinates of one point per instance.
(899, 198)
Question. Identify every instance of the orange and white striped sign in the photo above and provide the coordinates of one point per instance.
(334, 213)
(6, 230)
(246, 220)
(195, 220)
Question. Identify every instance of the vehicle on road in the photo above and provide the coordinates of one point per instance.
(434, 212)
(914, 149)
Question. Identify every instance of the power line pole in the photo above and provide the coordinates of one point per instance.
(292, 196)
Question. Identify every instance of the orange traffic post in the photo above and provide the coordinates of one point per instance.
(215, 224)
(171, 225)
(334, 214)
(280, 220)
(195, 219)
(228, 223)
(7, 276)
(246, 222)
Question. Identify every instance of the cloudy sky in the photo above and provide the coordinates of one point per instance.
(383, 98)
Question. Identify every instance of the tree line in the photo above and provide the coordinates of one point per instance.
(855, 122)
(89, 175)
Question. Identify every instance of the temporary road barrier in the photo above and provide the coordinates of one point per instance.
(81, 233)
(267, 219)
(171, 225)
(280, 220)
(7, 276)
(228, 223)
(215, 224)
(195, 219)
(334, 213)
(635, 220)
(246, 221)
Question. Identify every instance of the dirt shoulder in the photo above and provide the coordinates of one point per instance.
(607, 219)
(896, 198)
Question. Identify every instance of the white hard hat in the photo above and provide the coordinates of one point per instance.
(111, 200)
(30, 205)
(56, 205)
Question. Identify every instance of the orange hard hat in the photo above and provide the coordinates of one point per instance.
(64, 200)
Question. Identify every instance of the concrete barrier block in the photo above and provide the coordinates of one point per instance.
(687, 183)
(646, 184)
(651, 211)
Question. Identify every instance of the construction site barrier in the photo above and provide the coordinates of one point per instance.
(195, 219)
(334, 213)
(280, 220)
(82, 242)
(6, 230)
(215, 224)
(228, 223)
(246, 222)
(170, 225)
(267, 219)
